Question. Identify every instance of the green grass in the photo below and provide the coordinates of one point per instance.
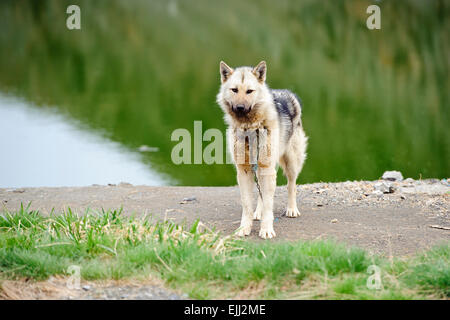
(205, 264)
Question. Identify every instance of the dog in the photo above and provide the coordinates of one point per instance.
(271, 119)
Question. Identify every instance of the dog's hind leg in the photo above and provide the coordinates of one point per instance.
(268, 182)
(292, 163)
(245, 181)
(291, 209)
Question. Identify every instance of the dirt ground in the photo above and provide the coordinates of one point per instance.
(56, 288)
(413, 216)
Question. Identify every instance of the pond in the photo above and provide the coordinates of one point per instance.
(43, 148)
(99, 105)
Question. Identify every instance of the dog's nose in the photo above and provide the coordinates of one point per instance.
(240, 108)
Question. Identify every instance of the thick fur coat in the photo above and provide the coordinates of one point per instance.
(264, 129)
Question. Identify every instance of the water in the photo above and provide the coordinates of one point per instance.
(43, 148)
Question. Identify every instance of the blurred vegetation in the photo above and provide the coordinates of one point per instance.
(374, 100)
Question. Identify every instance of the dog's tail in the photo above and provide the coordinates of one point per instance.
(297, 103)
(288, 104)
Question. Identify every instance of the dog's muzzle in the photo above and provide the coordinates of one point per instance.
(240, 109)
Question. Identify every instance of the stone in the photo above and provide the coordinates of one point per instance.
(187, 200)
(392, 176)
(384, 187)
(377, 193)
(145, 148)
(16, 190)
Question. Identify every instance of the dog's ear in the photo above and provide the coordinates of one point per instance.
(260, 71)
(225, 71)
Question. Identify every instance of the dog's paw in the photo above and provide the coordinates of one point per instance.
(292, 212)
(257, 214)
(267, 232)
(244, 230)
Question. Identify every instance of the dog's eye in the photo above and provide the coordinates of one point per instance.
(250, 91)
(235, 90)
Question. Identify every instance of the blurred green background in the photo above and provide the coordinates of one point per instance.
(374, 100)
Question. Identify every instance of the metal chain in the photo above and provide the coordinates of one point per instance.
(255, 166)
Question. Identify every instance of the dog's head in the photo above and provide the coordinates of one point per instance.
(242, 89)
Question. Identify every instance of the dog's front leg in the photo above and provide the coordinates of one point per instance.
(268, 181)
(246, 183)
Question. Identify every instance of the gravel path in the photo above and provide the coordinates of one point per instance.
(412, 217)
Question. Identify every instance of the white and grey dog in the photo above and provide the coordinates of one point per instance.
(267, 123)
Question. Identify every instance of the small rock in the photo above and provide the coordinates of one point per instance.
(377, 193)
(392, 176)
(86, 287)
(186, 200)
(334, 221)
(125, 184)
(16, 190)
(145, 148)
(384, 187)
